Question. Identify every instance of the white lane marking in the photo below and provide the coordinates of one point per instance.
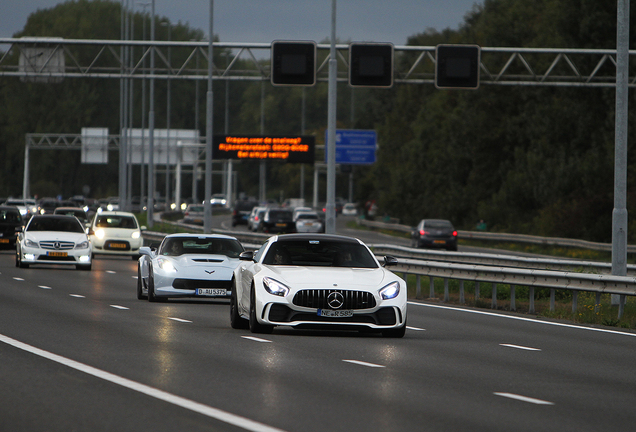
(191, 405)
(77, 295)
(361, 363)
(520, 347)
(111, 271)
(524, 319)
(119, 307)
(256, 339)
(44, 287)
(179, 320)
(415, 328)
(524, 398)
(18, 279)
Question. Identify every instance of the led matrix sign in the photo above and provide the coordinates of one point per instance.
(295, 149)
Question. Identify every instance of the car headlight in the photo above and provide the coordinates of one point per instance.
(82, 245)
(274, 287)
(136, 234)
(166, 265)
(100, 234)
(31, 243)
(390, 291)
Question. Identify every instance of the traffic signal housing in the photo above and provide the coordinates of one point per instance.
(293, 63)
(457, 66)
(371, 64)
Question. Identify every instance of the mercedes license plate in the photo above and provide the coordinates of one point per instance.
(211, 292)
(57, 254)
(335, 313)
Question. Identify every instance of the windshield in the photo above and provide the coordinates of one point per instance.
(176, 246)
(62, 223)
(10, 216)
(323, 253)
(110, 221)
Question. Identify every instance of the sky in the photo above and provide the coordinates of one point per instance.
(262, 21)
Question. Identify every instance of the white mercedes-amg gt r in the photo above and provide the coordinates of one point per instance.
(188, 265)
(317, 281)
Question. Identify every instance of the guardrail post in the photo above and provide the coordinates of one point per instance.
(418, 287)
(575, 301)
(476, 291)
(431, 290)
(621, 306)
(461, 292)
(513, 306)
(446, 294)
(531, 298)
(552, 291)
(493, 302)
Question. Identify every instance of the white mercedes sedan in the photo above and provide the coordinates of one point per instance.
(188, 265)
(53, 239)
(317, 281)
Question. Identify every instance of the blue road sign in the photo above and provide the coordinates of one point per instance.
(354, 147)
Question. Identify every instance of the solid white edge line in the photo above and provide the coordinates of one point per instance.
(361, 363)
(524, 319)
(191, 405)
(256, 339)
(524, 398)
(520, 347)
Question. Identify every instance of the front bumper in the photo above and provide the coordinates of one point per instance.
(42, 256)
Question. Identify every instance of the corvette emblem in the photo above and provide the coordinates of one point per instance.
(210, 272)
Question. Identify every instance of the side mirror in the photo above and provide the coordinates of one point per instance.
(143, 228)
(247, 256)
(390, 261)
(144, 250)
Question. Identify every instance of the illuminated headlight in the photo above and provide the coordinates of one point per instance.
(31, 243)
(23, 211)
(84, 258)
(82, 245)
(29, 257)
(274, 287)
(184, 206)
(390, 291)
(166, 265)
(136, 234)
(100, 234)
(109, 207)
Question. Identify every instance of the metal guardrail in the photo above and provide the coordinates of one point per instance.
(514, 238)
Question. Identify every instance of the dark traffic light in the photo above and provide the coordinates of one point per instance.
(371, 64)
(457, 66)
(293, 63)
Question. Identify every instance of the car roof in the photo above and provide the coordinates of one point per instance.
(190, 235)
(68, 208)
(318, 236)
(9, 208)
(116, 213)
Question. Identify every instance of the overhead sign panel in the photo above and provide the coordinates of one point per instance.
(457, 66)
(354, 146)
(371, 64)
(293, 63)
(288, 148)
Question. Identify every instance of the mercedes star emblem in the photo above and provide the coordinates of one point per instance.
(335, 300)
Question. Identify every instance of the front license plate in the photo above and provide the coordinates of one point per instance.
(118, 246)
(57, 254)
(3, 240)
(439, 241)
(335, 313)
(211, 292)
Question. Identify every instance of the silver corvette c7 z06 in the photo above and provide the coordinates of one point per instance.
(317, 281)
(188, 265)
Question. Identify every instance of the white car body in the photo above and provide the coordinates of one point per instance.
(116, 233)
(203, 267)
(309, 222)
(349, 209)
(317, 290)
(54, 239)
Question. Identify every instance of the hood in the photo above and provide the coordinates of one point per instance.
(55, 235)
(206, 260)
(326, 277)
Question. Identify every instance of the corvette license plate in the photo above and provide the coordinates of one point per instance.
(57, 254)
(335, 313)
(211, 292)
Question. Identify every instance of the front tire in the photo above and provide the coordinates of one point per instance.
(395, 333)
(236, 321)
(140, 291)
(151, 289)
(254, 325)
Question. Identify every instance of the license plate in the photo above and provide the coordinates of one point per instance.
(281, 224)
(3, 240)
(439, 241)
(57, 254)
(335, 313)
(211, 292)
(118, 246)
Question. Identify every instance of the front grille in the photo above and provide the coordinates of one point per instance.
(317, 298)
(62, 245)
(52, 258)
(192, 284)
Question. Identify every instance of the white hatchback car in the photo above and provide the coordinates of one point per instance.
(317, 281)
(116, 233)
(53, 239)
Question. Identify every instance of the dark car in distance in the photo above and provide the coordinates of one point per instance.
(241, 212)
(10, 219)
(434, 233)
(278, 220)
